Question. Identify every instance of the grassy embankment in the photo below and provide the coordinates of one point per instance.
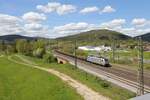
(101, 86)
(19, 82)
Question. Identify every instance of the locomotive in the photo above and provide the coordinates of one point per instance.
(98, 60)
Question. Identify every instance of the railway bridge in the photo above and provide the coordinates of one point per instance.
(61, 60)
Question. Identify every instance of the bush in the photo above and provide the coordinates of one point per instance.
(49, 58)
(105, 84)
(39, 52)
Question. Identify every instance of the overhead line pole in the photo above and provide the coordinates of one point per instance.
(113, 52)
(140, 78)
(57, 44)
(75, 53)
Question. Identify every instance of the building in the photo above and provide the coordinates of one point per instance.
(93, 48)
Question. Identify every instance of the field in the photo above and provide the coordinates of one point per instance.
(19, 82)
(101, 86)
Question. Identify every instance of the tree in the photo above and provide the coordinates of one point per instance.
(49, 58)
(2, 46)
(39, 52)
(21, 46)
(39, 44)
(29, 48)
(10, 49)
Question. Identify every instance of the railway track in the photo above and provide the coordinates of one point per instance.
(122, 75)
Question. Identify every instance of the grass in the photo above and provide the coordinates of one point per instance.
(19, 82)
(101, 86)
(147, 55)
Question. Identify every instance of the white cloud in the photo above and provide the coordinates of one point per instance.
(33, 17)
(73, 28)
(89, 10)
(35, 29)
(15, 25)
(61, 9)
(50, 7)
(107, 9)
(139, 22)
(134, 31)
(33, 26)
(30, 26)
(65, 9)
(9, 25)
(113, 24)
(118, 25)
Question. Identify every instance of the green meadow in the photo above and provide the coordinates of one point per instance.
(19, 82)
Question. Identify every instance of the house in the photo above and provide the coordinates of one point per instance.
(93, 48)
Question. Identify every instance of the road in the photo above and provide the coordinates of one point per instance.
(117, 75)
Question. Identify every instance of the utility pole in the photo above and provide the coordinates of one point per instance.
(117, 49)
(113, 52)
(57, 44)
(75, 53)
(140, 78)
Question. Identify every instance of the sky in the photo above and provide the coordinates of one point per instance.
(57, 18)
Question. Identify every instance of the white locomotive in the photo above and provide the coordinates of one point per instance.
(98, 60)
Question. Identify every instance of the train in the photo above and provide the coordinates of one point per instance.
(92, 59)
(98, 60)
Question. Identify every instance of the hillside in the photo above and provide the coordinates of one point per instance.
(146, 37)
(95, 36)
(11, 38)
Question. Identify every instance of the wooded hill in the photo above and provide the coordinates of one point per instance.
(12, 38)
(95, 37)
(145, 37)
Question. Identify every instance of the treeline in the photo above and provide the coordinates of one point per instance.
(7, 48)
(35, 48)
(31, 48)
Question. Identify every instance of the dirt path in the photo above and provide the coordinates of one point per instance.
(82, 89)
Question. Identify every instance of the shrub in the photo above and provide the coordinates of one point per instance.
(49, 58)
(105, 84)
(39, 52)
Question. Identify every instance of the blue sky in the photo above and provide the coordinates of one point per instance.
(54, 18)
